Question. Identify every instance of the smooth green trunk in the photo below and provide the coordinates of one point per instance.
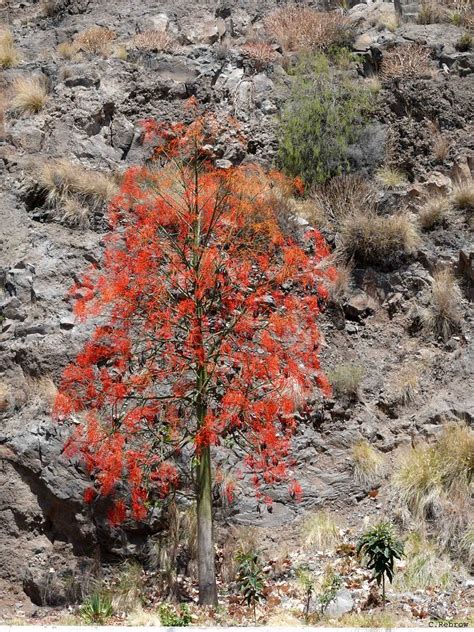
(206, 557)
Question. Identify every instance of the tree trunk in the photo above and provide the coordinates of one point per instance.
(206, 556)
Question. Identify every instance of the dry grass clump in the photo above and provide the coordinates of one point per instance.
(67, 50)
(464, 43)
(339, 288)
(370, 238)
(9, 56)
(261, 54)
(343, 195)
(425, 567)
(434, 211)
(155, 41)
(404, 382)
(433, 482)
(390, 177)
(346, 379)
(390, 22)
(127, 589)
(380, 620)
(432, 12)
(463, 196)
(5, 397)
(320, 531)
(443, 317)
(298, 28)
(30, 95)
(74, 191)
(441, 147)
(180, 536)
(94, 41)
(405, 62)
(367, 462)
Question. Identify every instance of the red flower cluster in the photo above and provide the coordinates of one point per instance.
(208, 331)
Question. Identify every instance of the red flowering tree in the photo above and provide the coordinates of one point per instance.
(207, 335)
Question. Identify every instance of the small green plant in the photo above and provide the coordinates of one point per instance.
(330, 586)
(308, 584)
(464, 43)
(381, 548)
(323, 117)
(174, 616)
(250, 579)
(97, 608)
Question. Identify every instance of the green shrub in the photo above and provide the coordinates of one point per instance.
(323, 117)
(174, 616)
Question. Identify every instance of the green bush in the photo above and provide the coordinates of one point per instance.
(171, 616)
(324, 115)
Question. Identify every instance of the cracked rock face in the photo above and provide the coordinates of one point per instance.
(50, 542)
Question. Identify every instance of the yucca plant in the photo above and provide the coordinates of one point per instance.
(97, 609)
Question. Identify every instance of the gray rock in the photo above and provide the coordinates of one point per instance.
(342, 603)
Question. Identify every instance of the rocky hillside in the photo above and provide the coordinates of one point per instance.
(77, 78)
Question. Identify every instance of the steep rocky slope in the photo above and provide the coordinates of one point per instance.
(91, 118)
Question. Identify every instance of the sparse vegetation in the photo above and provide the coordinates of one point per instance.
(298, 28)
(346, 379)
(30, 95)
(463, 196)
(441, 147)
(404, 382)
(5, 397)
(330, 584)
(431, 12)
(154, 41)
(434, 211)
(464, 43)
(67, 50)
(425, 566)
(320, 531)
(369, 620)
(261, 54)
(126, 592)
(94, 41)
(406, 61)
(9, 56)
(367, 462)
(443, 316)
(432, 483)
(323, 116)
